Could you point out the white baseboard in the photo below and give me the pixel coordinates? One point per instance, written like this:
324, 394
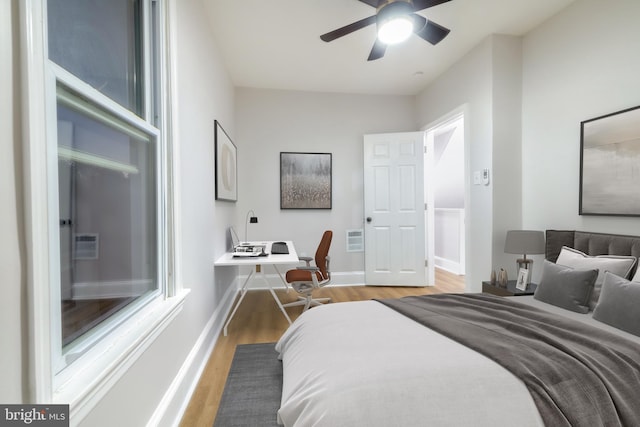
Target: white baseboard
343, 278
174, 403
451, 266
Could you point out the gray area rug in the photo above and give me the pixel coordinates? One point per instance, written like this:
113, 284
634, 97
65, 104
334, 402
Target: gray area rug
251, 395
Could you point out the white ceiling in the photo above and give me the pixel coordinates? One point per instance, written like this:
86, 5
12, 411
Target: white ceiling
276, 44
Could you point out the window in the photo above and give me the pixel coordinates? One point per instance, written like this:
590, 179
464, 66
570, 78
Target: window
100, 42
107, 214
105, 263
108, 160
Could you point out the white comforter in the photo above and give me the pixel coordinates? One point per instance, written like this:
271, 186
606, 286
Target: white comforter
363, 364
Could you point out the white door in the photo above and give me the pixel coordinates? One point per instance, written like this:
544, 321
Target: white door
394, 209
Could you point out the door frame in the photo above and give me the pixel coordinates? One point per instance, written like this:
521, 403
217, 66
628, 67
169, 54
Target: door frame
463, 111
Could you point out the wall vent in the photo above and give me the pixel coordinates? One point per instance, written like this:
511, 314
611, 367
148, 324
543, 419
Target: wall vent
85, 246
355, 240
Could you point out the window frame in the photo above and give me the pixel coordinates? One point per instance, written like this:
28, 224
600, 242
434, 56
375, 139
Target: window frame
64, 356
88, 378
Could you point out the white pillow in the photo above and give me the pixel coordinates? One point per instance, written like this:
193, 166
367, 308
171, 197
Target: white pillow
618, 265
636, 277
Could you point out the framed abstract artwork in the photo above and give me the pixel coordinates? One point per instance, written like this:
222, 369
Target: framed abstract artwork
226, 166
610, 164
305, 180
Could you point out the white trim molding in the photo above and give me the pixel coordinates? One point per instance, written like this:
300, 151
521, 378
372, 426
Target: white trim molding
34, 132
96, 371
338, 278
174, 403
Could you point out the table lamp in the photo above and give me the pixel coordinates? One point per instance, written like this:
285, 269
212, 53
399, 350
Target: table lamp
251, 218
524, 242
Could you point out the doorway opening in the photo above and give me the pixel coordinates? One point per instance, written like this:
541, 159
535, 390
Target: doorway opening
445, 196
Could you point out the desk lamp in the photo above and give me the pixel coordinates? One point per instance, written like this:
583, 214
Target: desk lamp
524, 242
251, 218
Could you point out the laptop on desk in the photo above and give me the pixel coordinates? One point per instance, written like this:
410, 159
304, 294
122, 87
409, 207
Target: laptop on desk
245, 249
249, 251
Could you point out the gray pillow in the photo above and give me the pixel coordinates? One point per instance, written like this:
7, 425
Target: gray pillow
565, 287
616, 264
618, 304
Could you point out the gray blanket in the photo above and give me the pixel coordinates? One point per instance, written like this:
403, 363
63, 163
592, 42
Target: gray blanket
578, 375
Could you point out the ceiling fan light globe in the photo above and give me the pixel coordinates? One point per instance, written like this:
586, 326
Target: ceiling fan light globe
395, 30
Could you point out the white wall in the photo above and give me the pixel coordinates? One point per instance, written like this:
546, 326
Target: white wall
271, 121
581, 64
449, 182
12, 304
507, 134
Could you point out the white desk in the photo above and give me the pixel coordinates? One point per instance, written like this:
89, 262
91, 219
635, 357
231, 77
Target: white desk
228, 259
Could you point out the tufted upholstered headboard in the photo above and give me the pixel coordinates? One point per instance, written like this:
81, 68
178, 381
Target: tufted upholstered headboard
591, 243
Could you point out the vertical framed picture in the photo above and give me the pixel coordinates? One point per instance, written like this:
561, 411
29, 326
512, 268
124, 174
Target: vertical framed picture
226, 166
523, 279
305, 180
609, 159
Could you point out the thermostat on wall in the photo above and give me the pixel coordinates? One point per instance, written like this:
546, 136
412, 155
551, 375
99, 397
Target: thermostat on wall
481, 177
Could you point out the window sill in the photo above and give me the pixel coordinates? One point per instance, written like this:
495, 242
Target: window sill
83, 384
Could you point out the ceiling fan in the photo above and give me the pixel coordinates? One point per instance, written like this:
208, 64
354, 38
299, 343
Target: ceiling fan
396, 20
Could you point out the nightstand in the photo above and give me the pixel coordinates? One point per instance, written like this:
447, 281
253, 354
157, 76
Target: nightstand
509, 291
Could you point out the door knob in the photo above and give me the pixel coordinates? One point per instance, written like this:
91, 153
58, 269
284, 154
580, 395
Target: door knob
369, 219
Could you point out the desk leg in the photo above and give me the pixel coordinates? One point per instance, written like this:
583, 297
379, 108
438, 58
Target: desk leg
275, 297
286, 285
243, 292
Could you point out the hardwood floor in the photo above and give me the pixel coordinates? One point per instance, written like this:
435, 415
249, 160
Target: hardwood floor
258, 320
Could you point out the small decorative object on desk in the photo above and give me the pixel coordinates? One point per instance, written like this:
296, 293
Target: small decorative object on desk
502, 278
492, 279
523, 279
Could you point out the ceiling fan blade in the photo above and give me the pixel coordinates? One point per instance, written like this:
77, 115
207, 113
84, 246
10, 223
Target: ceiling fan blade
347, 29
418, 22
377, 51
433, 33
372, 3
424, 4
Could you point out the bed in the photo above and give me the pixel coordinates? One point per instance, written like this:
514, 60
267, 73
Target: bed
370, 363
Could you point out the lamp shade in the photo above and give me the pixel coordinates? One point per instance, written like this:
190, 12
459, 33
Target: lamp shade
524, 242
250, 219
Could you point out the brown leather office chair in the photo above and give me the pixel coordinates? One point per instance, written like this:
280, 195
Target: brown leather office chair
305, 279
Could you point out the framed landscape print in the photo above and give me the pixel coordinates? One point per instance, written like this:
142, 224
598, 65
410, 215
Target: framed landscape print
610, 164
305, 180
226, 166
